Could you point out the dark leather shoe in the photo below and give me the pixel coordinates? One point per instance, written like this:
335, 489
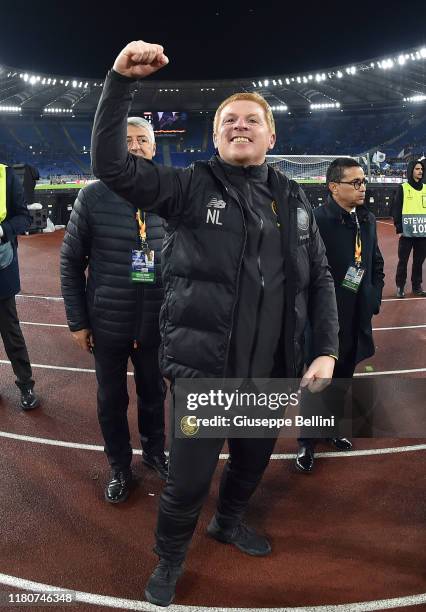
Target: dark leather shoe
342, 444
241, 536
29, 399
419, 291
158, 463
160, 588
305, 459
118, 488
400, 292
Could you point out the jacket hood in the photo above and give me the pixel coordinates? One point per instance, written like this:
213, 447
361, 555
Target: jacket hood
410, 167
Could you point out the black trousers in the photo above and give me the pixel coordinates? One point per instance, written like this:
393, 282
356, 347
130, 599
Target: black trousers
192, 464
14, 343
336, 393
419, 255
113, 400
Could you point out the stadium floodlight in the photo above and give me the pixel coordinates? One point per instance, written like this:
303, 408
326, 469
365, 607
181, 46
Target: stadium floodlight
25, 77
287, 81
325, 106
66, 83
274, 82
266, 82
423, 52
310, 77
280, 82
32, 80
10, 109
401, 60
279, 108
339, 74
298, 79
253, 83
74, 83
417, 98
260, 83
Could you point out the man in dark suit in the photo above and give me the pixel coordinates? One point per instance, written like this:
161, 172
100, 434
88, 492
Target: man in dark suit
14, 220
348, 230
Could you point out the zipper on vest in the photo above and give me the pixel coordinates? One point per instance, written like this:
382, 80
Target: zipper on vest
139, 300
234, 197
262, 287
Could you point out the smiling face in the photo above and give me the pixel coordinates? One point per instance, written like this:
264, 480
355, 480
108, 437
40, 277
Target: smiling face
242, 133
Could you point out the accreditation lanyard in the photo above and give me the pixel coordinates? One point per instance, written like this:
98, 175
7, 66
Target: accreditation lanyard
355, 271
142, 231
143, 259
358, 244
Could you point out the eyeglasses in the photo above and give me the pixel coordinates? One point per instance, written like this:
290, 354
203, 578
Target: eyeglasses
141, 140
356, 184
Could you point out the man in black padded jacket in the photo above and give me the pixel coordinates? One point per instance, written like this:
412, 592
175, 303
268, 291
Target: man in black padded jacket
243, 266
115, 313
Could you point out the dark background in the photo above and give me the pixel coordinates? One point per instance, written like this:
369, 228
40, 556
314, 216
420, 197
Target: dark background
207, 39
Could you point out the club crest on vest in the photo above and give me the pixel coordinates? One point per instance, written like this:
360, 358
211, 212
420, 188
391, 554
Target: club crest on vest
302, 225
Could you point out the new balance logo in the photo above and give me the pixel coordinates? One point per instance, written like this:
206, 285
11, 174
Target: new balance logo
215, 203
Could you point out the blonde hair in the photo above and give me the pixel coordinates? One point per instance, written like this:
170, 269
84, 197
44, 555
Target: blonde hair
252, 97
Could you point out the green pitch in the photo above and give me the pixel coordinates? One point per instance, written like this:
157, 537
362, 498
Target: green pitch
67, 186
81, 185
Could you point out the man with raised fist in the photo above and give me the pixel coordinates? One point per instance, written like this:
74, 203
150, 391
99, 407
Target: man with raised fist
243, 263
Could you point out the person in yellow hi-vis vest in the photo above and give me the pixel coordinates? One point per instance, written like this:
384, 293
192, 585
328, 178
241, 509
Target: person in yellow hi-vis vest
409, 215
14, 219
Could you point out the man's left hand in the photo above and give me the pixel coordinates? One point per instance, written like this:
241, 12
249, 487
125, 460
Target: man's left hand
318, 376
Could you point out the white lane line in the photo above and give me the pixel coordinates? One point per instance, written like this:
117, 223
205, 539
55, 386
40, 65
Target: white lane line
87, 370
401, 327
406, 299
282, 456
66, 326
132, 604
389, 372
48, 324
62, 368
40, 297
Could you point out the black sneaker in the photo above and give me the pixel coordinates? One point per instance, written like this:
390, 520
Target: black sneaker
400, 293
158, 463
29, 399
419, 291
118, 488
243, 537
160, 588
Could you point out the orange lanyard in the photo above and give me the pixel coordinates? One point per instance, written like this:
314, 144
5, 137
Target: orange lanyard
142, 225
357, 242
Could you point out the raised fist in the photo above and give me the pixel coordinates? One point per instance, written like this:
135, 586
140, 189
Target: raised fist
139, 59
